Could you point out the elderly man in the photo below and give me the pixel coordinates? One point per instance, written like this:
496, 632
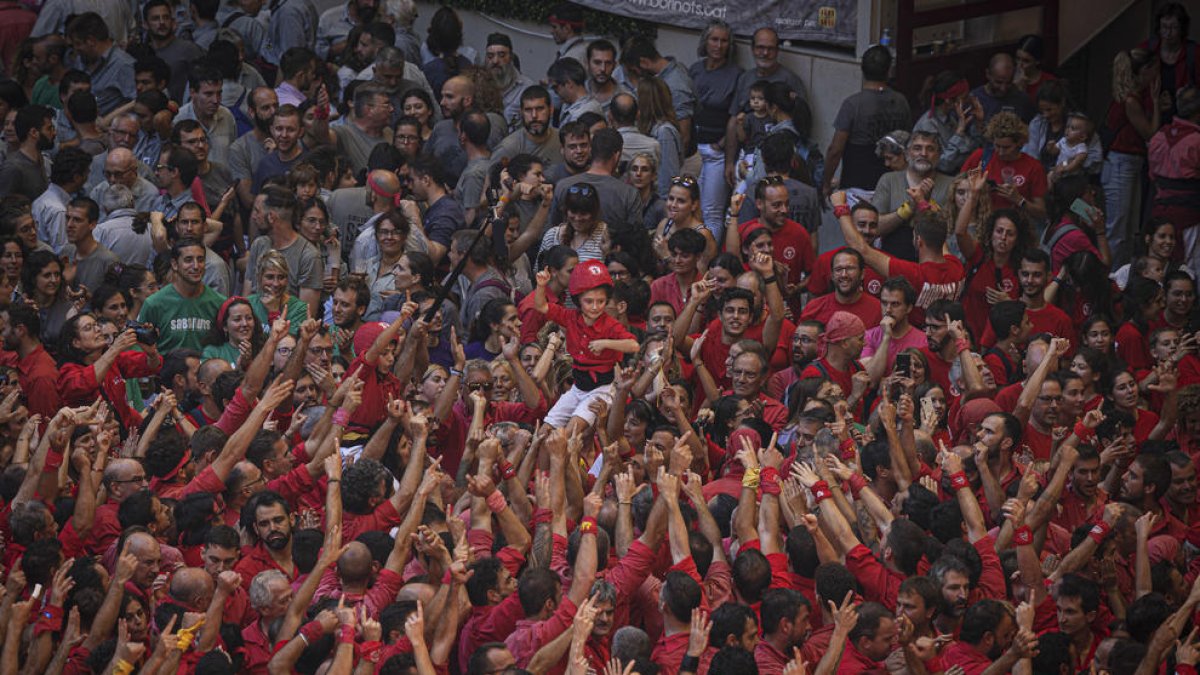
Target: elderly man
270, 594
120, 167
122, 478
508, 78
124, 132
891, 194
115, 231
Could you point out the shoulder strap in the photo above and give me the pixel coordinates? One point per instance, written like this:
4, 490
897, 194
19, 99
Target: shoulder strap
231, 18
1062, 231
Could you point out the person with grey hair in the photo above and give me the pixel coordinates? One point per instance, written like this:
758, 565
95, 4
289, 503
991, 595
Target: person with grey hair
891, 193
125, 131
120, 167
121, 230
373, 109
404, 15
630, 643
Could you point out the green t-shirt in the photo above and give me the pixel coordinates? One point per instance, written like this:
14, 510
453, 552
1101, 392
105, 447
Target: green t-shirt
182, 322
45, 93
297, 312
226, 352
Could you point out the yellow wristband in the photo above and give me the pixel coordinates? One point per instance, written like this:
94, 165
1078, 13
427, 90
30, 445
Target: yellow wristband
905, 211
122, 667
750, 479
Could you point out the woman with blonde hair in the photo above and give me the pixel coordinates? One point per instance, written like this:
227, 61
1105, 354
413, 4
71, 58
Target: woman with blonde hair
273, 300
1132, 118
975, 213
642, 174
656, 118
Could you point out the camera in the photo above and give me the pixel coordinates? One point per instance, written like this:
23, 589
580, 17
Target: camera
146, 333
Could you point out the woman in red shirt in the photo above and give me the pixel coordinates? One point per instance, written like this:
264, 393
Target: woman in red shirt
92, 368
1144, 301
992, 258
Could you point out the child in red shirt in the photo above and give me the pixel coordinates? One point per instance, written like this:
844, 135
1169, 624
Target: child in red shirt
595, 342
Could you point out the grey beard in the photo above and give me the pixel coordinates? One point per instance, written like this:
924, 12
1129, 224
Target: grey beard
507, 76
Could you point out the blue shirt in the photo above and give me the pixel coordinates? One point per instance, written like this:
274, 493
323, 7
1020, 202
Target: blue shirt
112, 79
442, 219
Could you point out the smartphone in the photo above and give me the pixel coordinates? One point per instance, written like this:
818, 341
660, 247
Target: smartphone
987, 157
1085, 211
903, 365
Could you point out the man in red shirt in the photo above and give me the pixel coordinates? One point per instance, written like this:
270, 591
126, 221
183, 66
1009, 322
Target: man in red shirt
785, 615
848, 295
839, 350
792, 247
1083, 500
871, 640
268, 518
1009, 321
1034, 276
866, 220
1018, 180
37, 370
804, 350
936, 275
946, 341
749, 374
989, 639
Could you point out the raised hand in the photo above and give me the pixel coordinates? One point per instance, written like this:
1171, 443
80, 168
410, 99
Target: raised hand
701, 626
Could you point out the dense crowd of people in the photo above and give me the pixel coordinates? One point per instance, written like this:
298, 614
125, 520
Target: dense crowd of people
328, 348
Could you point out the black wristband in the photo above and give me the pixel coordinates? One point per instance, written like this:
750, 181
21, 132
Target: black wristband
689, 664
770, 280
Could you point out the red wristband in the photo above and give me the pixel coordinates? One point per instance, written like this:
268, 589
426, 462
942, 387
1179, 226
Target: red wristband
768, 481
588, 526
1185, 669
820, 491
312, 631
346, 635
841, 210
1023, 536
369, 651
959, 481
857, 482
962, 345
321, 112
542, 515
848, 449
447, 579
1099, 531
1084, 433
496, 502
507, 471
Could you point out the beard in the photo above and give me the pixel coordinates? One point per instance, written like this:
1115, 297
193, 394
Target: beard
536, 128
921, 165
277, 541
262, 125
504, 76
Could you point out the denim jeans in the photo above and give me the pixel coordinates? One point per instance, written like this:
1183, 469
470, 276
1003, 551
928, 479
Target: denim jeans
1122, 181
714, 191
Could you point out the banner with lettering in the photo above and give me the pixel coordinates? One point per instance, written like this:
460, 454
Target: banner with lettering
828, 21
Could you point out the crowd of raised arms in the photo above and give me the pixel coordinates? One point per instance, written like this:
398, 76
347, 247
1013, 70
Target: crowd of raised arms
333, 349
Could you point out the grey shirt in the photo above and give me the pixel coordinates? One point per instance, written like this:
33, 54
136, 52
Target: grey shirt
715, 91
112, 78
890, 193
179, 54
116, 234
866, 117
443, 144
244, 155
348, 211
804, 205
741, 99
469, 190
620, 204
519, 142
636, 142
22, 176
216, 273
955, 147
293, 24
683, 92
304, 263
356, 145
221, 134
89, 271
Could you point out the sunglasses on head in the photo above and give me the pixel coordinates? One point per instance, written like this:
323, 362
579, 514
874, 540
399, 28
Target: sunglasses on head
581, 189
684, 181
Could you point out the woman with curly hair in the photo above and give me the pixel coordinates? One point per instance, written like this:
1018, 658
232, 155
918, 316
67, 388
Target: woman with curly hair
1020, 180
992, 258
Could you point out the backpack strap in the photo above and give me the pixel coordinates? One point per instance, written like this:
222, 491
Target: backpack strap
1010, 368
231, 18
1062, 231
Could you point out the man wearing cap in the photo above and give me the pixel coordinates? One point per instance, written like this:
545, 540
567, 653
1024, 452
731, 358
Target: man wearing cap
566, 27
838, 351
509, 79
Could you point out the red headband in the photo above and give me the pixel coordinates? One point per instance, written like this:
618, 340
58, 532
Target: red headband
156, 481
958, 89
378, 189
221, 313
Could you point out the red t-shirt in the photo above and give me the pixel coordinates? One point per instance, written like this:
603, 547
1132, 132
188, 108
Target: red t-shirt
1025, 172
974, 299
822, 309
933, 281
531, 319
1133, 347
1048, 319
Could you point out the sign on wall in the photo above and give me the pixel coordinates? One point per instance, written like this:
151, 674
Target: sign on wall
812, 20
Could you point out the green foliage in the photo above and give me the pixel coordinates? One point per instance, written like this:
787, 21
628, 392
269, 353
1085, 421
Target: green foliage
537, 11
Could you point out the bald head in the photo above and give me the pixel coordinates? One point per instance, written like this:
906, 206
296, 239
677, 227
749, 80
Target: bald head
123, 477
354, 565
120, 167
149, 558
384, 185
192, 586
623, 110
458, 94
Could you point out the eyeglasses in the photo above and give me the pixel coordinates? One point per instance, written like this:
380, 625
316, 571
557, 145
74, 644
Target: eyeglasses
283, 351
480, 386
163, 167
684, 181
326, 351
117, 174
388, 234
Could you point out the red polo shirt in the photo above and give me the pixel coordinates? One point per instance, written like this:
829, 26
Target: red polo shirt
38, 375
933, 281
866, 307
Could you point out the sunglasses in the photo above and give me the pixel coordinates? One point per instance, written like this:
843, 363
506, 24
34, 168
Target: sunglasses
581, 189
480, 386
685, 181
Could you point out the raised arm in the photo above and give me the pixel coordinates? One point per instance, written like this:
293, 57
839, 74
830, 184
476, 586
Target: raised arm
1033, 387
235, 449
876, 259
765, 265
